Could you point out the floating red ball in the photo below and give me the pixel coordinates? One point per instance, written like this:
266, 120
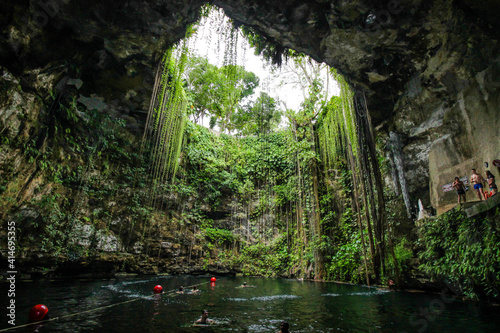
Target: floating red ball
213, 279
38, 312
158, 289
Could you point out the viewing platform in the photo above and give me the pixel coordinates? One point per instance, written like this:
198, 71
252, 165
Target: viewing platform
477, 207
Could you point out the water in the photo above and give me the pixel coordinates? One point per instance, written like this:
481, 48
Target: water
307, 306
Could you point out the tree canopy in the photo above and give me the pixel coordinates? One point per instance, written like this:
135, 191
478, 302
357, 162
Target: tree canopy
259, 116
217, 91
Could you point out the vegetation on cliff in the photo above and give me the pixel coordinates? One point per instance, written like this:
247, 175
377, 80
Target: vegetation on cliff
464, 251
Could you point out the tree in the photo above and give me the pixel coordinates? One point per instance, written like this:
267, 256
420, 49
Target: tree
306, 73
202, 84
217, 92
260, 116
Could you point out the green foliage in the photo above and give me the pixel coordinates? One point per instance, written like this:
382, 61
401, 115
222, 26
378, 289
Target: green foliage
219, 236
465, 251
404, 254
337, 128
345, 261
261, 116
221, 165
51, 236
80, 159
217, 92
266, 47
166, 121
266, 259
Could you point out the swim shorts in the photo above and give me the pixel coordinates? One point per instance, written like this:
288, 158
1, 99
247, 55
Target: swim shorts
478, 186
461, 191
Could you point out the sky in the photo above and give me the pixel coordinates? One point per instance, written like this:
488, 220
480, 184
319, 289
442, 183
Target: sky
209, 42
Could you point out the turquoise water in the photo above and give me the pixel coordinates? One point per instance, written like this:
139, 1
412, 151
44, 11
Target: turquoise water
307, 306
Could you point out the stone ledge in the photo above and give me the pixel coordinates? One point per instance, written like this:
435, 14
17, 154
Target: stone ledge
483, 206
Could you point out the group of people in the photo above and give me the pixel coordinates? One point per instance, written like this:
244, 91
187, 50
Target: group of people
194, 290
477, 181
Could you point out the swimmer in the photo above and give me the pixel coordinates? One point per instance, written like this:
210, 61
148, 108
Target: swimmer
195, 289
181, 290
204, 319
284, 327
244, 285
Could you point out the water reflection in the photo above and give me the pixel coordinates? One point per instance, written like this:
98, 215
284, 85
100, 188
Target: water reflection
307, 306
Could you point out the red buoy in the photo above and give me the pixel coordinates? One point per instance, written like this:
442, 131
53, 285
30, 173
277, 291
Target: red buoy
158, 289
213, 279
38, 312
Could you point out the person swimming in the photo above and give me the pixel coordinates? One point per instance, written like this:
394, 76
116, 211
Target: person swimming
244, 285
195, 289
204, 319
284, 327
181, 290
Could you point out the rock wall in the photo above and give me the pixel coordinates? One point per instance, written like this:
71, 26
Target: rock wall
471, 139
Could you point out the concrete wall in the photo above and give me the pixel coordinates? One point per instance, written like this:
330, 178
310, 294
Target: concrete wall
474, 139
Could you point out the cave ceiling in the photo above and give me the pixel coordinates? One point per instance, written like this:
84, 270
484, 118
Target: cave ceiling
379, 46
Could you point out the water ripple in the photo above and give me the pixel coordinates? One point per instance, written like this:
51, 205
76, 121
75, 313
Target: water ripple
363, 293
263, 298
127, 293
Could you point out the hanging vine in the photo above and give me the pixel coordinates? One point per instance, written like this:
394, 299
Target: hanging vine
166, 121
338, 127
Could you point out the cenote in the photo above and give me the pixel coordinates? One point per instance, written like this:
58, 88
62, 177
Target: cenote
307, 306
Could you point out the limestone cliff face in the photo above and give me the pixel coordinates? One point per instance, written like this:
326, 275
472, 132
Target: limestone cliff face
429, 70
472, 126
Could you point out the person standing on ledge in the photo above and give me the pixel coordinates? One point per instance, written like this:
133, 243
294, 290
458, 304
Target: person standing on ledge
460, 187
477, 180
491, 182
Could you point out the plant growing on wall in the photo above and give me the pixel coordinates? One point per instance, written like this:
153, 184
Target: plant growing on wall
166, 120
